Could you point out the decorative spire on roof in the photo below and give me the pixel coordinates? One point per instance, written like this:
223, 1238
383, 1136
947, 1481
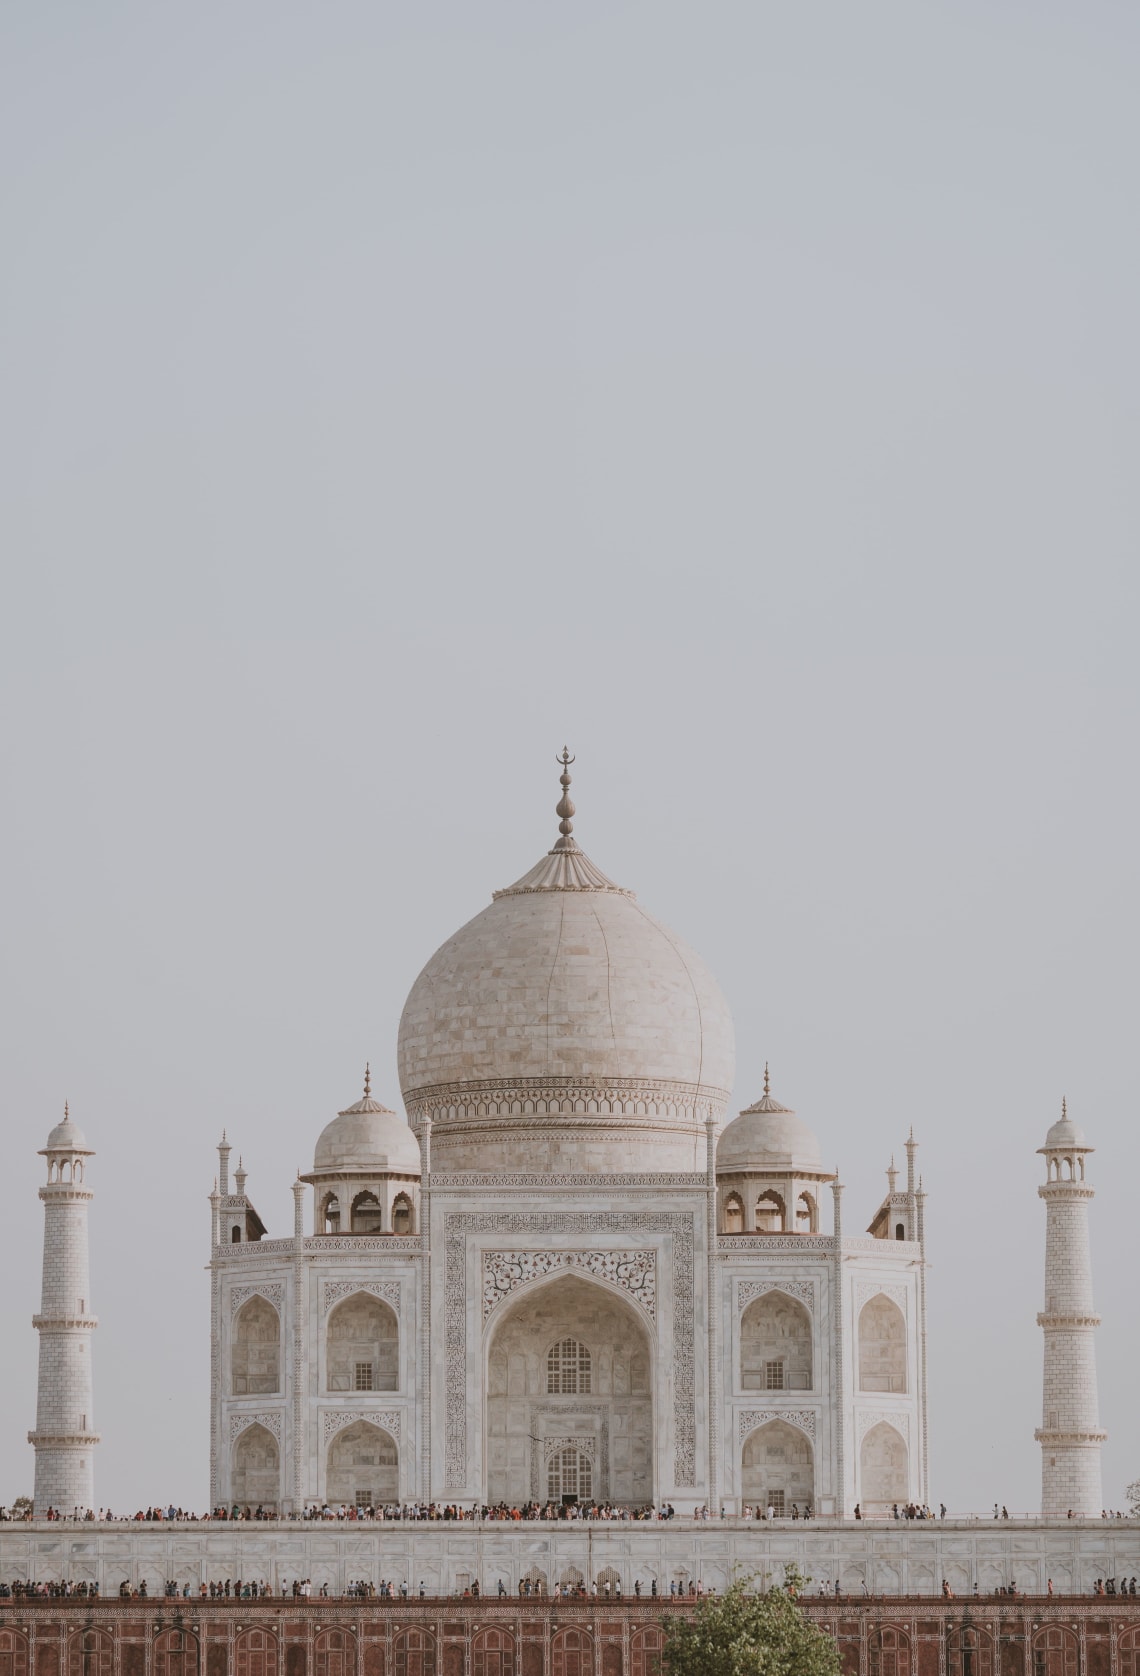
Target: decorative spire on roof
367, 1079
767, 1084
1064, 1109
564, 809
66, 1112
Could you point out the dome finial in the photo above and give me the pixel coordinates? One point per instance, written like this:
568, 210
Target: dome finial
367, 1079
564, 809
66, 1112
1064, 1109
767, 1085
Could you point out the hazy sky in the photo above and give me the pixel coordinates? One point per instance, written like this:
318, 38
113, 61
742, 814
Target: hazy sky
745, 395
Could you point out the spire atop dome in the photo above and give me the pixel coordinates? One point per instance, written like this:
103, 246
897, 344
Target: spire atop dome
767, 1085
367, 1079
1064, 1109
564, 809
566, 866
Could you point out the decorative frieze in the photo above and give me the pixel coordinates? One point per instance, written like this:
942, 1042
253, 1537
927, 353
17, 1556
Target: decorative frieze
334, 1420
749, 1418
271, 1418
271, 1290
554, 1445
803, 1290
443, 1181
334, 1290
635, 1272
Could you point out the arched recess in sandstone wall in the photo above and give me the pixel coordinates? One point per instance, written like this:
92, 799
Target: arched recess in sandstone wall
775, 1345
334, 1653
526, 1422
175, 1654
884, 1469
255, 1653
882, 1345
255, 1474
13, 1653
362, 1344
413, 1653
493, 1653
778, 1467
255, 1354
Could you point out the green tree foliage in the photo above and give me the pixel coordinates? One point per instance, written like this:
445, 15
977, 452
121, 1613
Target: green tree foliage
742, 1633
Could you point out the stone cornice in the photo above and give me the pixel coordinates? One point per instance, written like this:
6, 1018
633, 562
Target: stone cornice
58, 1323
63, 1440
1066, 1190
1044, 1320
1060, 1437
531, 1099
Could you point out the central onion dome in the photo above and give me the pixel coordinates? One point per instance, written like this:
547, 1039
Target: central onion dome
566, 1029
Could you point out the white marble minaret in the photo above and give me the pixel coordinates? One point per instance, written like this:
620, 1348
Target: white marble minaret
1070, 1434
64, 1437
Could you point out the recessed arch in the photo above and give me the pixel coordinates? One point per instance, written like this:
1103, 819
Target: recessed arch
771, 1213
775, 1344
90, 1653
890, 1651
732, 1220
175, 1653
367, 1213
777, 1465
255, 1472
363, 1466
526, 1421
255, 1352
882, 1345
329, 1219
334, 1653
807, 1213
362, 1345
572, 1653
493, 1652
256, 1653
403, 1214
884, 1469
413, 1653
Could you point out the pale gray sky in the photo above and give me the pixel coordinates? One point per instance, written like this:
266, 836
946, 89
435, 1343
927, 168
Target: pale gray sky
745, 395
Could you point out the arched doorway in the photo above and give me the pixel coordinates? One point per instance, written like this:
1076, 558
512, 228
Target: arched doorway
778, 1468
884, 1469
255, 1480
363, 1466
569, 1396
882, 1346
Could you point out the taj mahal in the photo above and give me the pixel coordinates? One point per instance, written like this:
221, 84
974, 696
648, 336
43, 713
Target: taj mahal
563, 1273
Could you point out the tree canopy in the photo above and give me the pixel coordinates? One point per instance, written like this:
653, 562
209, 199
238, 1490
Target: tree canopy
743, 1633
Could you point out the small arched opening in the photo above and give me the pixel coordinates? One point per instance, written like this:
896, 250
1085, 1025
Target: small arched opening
771, 1213
330, 1214
402, 1220
367, 1215
569, 1368
807, 1214
733, 1214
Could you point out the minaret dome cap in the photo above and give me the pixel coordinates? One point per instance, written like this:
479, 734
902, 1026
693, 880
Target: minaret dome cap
66, 1136
1064, 1135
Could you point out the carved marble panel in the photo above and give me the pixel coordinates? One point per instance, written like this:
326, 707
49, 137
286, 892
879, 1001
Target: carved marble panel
271, 1290
334, 1420
334, 1290
869, 1417
749, 1418
634, 1271
804, 1290
272, 1419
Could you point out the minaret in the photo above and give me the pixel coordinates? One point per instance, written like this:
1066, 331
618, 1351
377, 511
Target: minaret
1070, 1434
64, 1437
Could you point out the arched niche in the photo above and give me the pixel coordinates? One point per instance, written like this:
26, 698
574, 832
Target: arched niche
493, 1652
367, 1214
884, 1469
255, 1474
330, 1215
363, 1466
403, 1220
362, 1343
732, 1220
777, 1468
527, 1420
775, 1344
771, 1213
882, 1345
256, 1653
255, 1352
91, 1652
807, 1213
